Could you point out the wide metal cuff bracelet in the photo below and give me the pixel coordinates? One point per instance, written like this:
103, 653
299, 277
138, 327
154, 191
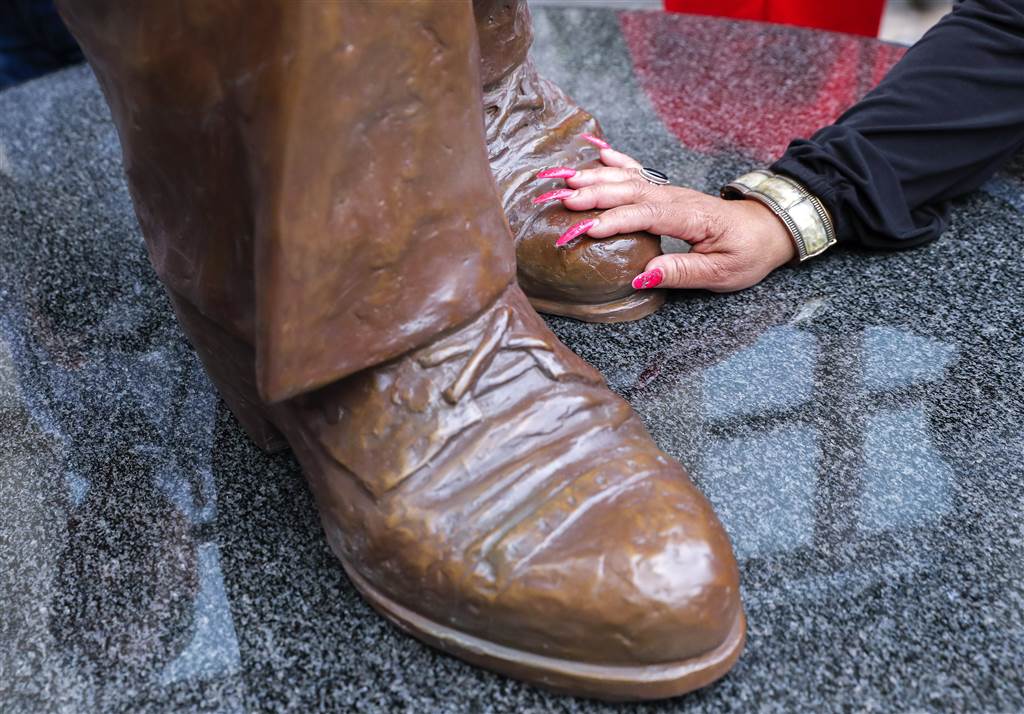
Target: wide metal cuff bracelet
804, 215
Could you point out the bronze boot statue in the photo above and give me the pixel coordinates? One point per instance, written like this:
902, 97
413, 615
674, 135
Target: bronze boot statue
313, 186
531, 125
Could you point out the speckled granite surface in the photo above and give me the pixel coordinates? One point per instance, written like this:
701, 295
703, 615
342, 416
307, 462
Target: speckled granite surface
856, 422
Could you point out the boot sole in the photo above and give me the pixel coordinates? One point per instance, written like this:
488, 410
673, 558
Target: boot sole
582, 679
631, 307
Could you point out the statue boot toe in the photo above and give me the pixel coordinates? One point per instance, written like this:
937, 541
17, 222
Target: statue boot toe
492, 497
531, 125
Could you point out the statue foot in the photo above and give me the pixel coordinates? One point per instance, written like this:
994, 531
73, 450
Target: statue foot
531, 125
492, 497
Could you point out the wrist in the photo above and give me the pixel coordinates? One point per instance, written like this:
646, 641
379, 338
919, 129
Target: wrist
772, 235
803, 215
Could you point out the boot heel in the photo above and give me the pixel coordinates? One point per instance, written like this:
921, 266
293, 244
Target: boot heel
230, 364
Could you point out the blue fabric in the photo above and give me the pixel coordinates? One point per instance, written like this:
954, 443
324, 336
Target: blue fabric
33, 41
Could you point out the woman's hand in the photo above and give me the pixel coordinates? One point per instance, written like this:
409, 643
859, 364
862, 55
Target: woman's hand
734, 244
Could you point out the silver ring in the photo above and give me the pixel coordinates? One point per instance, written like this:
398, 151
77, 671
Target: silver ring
654, 176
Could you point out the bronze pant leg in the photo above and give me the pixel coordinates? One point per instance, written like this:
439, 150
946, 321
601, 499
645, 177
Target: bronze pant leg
310, 177
505, 31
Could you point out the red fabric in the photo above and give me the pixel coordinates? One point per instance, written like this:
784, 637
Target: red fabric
861, 17
746, 88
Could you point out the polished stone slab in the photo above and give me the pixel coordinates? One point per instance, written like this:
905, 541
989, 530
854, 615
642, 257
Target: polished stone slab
856, 423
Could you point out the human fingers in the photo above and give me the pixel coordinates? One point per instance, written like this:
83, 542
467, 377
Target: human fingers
604, 174
680, 219
611, 157
611, 195
696, 271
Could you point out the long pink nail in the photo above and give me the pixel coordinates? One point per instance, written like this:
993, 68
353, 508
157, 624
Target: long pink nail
599, 143
559, 194
648, 279
575, 231
562, 172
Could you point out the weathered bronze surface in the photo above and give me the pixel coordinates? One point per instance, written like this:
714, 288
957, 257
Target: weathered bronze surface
274, 147
531, 125
313, 187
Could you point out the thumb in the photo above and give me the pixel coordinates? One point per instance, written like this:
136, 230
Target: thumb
682, 270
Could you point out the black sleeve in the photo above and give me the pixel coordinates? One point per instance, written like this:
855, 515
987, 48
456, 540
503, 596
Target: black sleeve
942, 121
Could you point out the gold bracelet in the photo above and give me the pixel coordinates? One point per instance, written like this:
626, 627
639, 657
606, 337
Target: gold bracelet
804, 216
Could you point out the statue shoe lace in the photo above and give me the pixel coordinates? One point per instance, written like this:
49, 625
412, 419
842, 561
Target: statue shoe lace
491, 496
531, 125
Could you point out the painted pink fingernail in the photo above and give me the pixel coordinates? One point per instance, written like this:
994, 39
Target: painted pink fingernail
559, 194
599, 143
575, 231
648, 279
562, 172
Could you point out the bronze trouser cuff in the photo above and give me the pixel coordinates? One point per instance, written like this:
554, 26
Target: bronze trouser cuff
806, 219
